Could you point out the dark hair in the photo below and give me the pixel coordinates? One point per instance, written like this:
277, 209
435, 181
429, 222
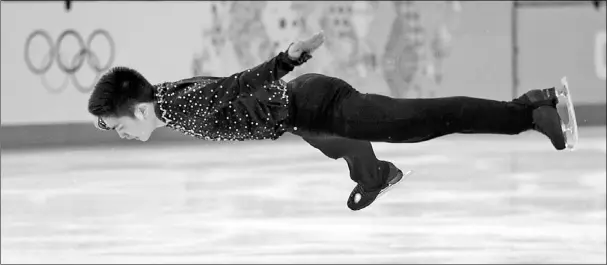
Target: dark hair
117, 92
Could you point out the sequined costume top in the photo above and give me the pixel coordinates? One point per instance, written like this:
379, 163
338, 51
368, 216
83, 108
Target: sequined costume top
250, 105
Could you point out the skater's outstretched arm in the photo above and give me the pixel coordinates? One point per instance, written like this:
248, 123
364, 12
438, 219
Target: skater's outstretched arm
279, 66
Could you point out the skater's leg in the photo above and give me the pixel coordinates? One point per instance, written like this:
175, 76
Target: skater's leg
380, 118
372, 175
331, 105
363, 164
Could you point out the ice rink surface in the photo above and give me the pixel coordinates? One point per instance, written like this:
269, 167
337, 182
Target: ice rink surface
472, 199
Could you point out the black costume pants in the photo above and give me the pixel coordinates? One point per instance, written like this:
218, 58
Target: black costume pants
341, 122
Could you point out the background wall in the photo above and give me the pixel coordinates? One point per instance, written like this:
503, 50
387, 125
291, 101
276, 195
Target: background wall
158, 39
571, 43
401, 49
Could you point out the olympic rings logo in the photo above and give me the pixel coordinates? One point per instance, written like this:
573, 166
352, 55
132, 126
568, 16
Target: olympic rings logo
83, 54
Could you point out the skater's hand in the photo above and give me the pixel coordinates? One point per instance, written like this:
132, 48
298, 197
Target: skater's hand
309, 45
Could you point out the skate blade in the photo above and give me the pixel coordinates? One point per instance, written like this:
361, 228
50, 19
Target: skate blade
382, 192
567, 114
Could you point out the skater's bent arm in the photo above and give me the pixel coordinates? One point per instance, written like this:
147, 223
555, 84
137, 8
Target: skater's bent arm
276, 68
271, 70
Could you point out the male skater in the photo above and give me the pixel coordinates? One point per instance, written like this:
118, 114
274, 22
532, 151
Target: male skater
325, 111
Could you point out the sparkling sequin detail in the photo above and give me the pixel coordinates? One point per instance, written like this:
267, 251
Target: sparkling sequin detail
251, 105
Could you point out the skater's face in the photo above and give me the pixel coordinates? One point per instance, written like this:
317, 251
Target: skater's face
139, 127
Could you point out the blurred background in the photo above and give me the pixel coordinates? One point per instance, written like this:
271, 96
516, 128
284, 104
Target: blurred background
71, 193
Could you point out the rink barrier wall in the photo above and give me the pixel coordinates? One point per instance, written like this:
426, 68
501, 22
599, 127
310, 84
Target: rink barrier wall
85, 134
